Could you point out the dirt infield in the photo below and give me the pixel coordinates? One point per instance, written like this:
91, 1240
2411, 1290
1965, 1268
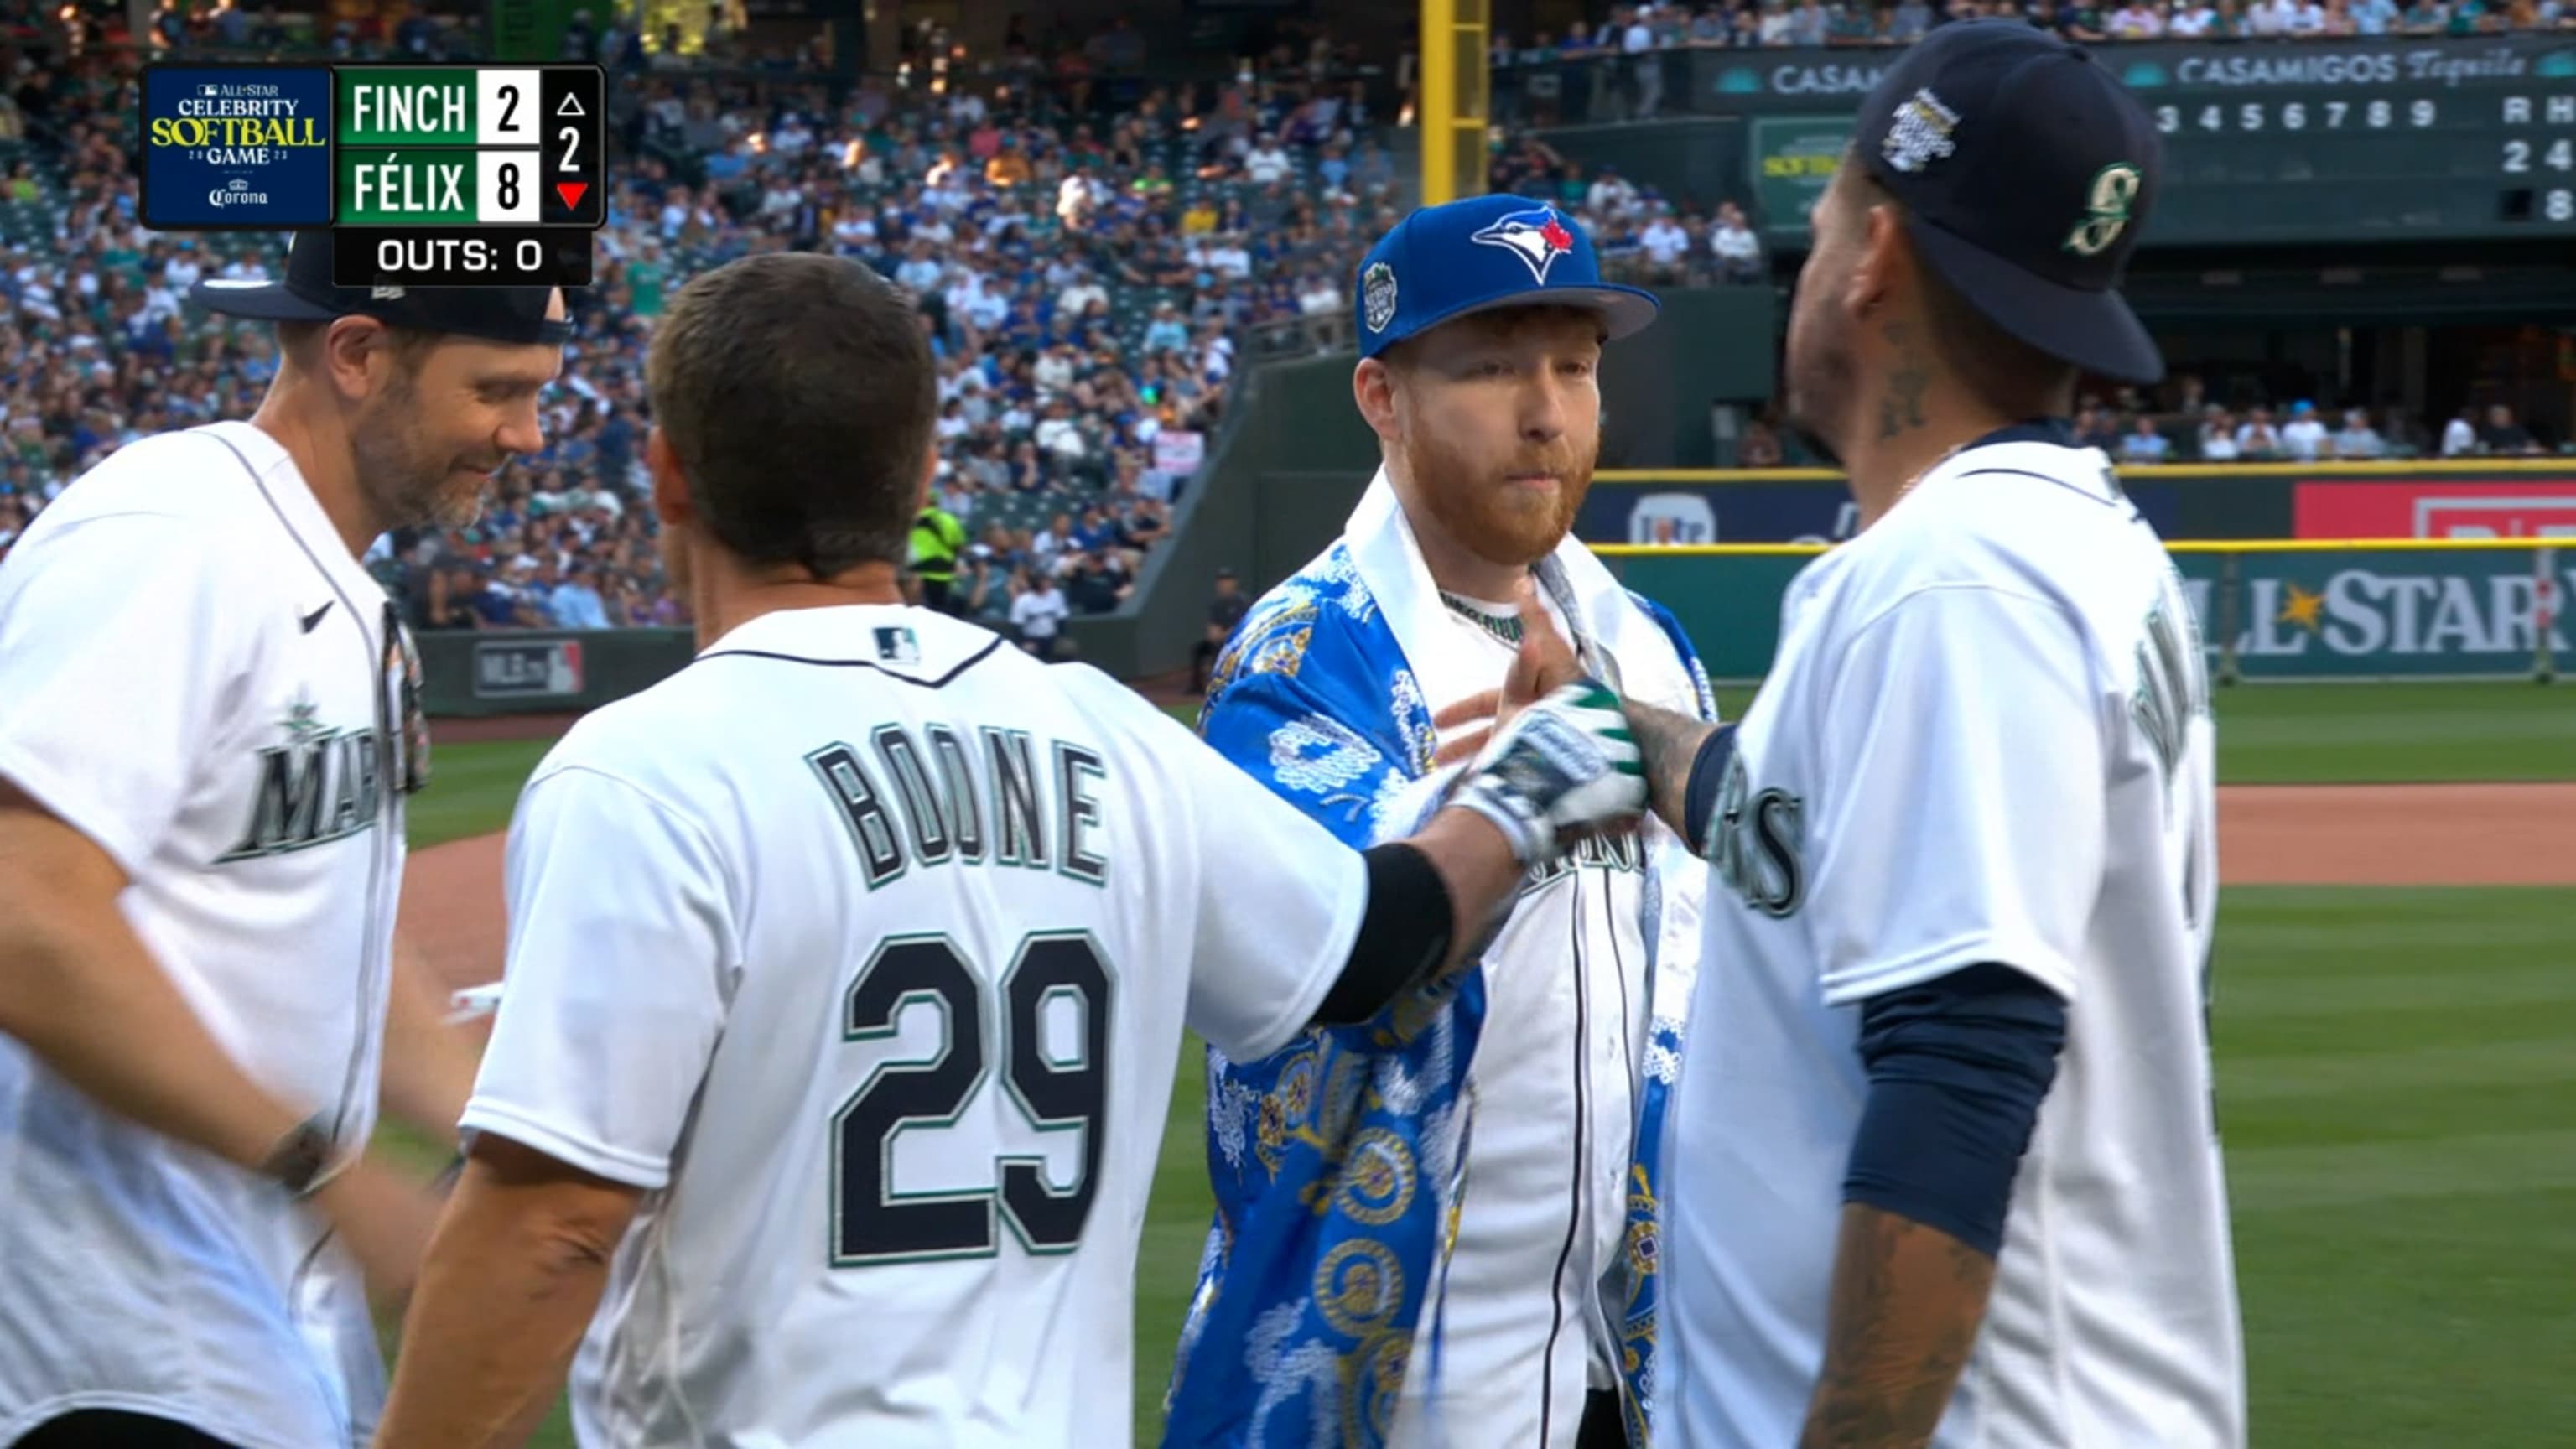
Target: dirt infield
2268, 835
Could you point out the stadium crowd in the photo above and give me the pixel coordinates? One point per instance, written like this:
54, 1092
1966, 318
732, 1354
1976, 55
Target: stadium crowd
1087, 276
1093, 267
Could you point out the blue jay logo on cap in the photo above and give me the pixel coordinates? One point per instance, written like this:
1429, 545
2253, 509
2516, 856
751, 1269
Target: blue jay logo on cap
1537, 236
1377, 295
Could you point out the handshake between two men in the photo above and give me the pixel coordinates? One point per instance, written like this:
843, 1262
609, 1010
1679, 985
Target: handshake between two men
1661, 760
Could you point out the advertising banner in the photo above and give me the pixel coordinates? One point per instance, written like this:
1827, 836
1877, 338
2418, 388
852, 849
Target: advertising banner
1793, 162
527, 668
2384, 613
2516, 507
2358, 614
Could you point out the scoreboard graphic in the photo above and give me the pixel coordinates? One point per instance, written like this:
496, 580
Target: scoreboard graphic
425, 175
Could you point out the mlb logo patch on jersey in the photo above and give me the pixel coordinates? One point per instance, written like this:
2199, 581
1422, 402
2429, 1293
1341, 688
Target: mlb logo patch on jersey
898, 645
1537, 236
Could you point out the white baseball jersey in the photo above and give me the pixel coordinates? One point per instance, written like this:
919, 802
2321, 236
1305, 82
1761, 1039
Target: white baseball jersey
1985, 737
1555, 1085
193, 674
864, 944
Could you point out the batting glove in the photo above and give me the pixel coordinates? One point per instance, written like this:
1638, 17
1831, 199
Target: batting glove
1564, 766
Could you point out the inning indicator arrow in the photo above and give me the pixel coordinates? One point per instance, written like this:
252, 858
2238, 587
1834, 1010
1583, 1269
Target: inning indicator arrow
571, 192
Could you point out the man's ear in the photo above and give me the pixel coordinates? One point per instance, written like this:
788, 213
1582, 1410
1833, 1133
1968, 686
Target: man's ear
1373, 387
929, 473
357, 355
670, 487
1886, 262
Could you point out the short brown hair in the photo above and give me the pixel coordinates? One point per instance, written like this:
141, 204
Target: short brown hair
298, 339
797, 394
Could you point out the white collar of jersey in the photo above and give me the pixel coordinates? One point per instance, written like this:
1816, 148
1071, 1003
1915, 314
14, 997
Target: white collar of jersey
919, 644
1389, 562
2086, 470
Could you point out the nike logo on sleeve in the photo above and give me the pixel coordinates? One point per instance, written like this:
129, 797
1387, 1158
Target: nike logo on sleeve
314, 618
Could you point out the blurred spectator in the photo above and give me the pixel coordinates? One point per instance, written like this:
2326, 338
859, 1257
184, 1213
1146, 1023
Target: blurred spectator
2217, 435
2257, 438
2143, 443
2501, 434
1732, 242
1224, 612
2303, 437
1038, 611
2460, 434
2357, 438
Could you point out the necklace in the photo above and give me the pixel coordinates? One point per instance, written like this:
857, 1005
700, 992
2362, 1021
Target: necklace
1919, 475
1504, 627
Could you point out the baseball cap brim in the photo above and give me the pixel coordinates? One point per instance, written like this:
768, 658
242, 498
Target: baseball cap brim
2095, 330
1625, 311
257, 301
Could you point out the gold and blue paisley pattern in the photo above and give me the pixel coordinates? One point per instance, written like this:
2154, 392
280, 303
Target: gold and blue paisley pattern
1338, 1162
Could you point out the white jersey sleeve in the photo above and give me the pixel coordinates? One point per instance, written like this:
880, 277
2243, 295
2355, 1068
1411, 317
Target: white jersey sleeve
621, 935
1963, 738
1277, 898
117, 645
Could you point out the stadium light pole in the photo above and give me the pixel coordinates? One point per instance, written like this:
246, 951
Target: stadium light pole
1451, 108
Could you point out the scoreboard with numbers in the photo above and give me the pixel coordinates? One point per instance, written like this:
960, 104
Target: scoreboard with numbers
426, 175
2308, 143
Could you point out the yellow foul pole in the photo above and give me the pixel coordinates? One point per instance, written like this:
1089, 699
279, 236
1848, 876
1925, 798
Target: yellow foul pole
1453, 90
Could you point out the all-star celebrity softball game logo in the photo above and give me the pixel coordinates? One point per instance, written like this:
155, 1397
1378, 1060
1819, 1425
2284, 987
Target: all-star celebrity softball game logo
236, 146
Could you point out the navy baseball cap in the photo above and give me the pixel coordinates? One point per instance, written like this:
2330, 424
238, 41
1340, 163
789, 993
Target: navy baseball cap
1481, 252
2027, 171
307, 294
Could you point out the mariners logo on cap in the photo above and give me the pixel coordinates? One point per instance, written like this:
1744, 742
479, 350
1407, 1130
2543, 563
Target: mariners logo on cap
1377, 295
1920, 134
1537, 236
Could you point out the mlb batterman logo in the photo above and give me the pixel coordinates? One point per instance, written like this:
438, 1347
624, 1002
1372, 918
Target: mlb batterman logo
1377, 296
1537, 236
1920, 133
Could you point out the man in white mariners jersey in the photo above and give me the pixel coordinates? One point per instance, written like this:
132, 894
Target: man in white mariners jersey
207, 731
1944, 1163
848, 966
1540, 1082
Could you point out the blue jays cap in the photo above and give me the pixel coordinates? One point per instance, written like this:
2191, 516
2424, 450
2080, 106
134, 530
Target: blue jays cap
1482, 252
2026, 171
308, 294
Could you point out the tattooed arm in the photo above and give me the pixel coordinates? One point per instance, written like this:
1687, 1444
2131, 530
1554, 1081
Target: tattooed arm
1672, 742
1907, 1301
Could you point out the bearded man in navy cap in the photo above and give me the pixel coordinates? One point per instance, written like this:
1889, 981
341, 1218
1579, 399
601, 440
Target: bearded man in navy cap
1436, 1228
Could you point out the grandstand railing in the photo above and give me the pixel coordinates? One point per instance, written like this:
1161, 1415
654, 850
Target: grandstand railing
2268, 610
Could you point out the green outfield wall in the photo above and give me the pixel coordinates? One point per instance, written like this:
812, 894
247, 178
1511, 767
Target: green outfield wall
2268, 610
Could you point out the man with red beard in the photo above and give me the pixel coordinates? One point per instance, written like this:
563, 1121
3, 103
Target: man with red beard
1436, 1228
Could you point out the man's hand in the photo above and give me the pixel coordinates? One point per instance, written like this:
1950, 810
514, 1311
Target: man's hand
1561, 769
384, 1220
1543, 664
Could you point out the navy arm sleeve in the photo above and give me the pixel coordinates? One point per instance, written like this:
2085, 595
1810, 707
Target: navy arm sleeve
1958, 1066
1707, 777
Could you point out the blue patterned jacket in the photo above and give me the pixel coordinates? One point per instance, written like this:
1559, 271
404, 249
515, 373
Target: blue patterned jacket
1336, 1161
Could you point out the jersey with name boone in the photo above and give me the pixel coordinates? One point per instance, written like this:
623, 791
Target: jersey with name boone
863, 945
193, 675
1985, 737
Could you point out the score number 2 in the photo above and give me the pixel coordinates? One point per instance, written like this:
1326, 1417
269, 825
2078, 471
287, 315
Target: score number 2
2299, 116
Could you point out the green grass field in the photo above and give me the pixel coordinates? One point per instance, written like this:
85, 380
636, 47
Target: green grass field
2395, 1068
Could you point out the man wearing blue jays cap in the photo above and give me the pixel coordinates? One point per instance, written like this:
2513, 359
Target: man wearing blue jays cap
1436, 1229
1944, 1164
